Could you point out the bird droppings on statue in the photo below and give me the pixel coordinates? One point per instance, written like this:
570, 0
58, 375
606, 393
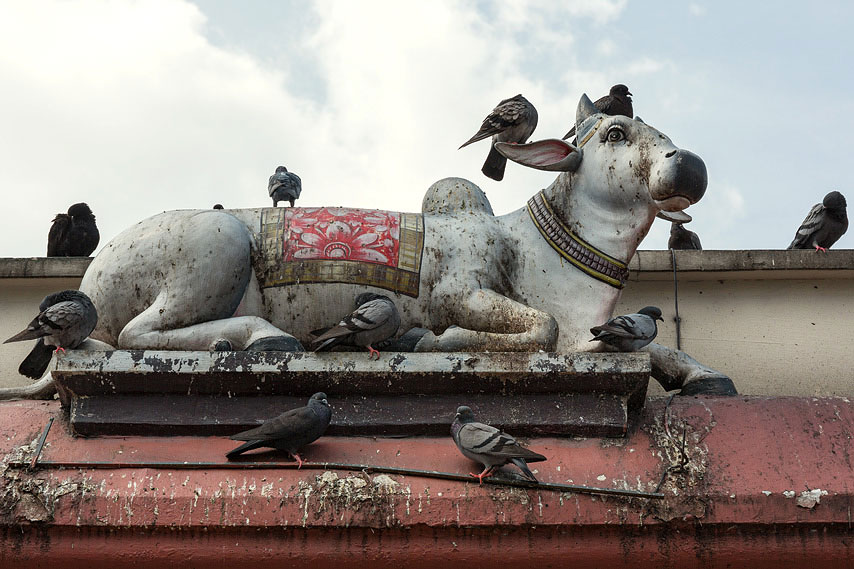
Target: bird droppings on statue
513, 121
490, 447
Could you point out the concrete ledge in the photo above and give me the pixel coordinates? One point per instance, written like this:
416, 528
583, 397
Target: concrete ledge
43, 267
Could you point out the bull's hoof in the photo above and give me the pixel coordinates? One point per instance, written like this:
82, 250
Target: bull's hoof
276, 344
405, 343
719, 386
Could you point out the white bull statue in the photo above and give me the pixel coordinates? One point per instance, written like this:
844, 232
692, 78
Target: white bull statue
535, 279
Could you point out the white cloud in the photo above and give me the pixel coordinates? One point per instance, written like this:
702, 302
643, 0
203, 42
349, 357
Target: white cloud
697, 9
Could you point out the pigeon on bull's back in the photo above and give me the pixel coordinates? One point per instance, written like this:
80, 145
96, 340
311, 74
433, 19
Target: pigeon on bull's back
630, 332
284, 186
487, 445
824, 225
375, 320
65, 319
513, 121
290, 431
618, 101
681, 238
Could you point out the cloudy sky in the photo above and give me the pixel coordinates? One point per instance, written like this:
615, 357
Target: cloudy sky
142, 106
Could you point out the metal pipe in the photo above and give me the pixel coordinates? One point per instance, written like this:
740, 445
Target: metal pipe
40, 446
344, 466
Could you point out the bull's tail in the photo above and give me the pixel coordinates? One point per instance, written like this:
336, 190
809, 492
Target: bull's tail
494, 165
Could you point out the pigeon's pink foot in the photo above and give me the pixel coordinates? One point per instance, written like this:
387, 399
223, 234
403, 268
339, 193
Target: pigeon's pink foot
59, 349
299, 461
819, 248
487, 472
371, 352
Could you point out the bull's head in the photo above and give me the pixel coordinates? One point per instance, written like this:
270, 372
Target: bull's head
616, 147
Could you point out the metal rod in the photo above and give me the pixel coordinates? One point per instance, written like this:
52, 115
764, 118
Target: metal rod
353, 467
678, 319
40, 446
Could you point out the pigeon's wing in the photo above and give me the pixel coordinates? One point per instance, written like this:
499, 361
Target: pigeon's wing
695, 241
605, 104
810, 225
479, 438
620, 326
57, 235
508, 113
82, 239
369, 316
289, 424
62, 315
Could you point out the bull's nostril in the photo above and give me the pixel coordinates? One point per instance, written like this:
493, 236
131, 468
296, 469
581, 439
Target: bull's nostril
670, 154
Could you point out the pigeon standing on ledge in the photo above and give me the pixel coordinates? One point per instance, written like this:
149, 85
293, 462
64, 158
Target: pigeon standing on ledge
65, 319
73, 234
290, 431
375, 320
489, 446
681, 238
630, 332
284, 186
513, 120
617, 102
825, 224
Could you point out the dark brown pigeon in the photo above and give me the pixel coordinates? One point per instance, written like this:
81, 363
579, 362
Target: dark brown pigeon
824, 225
513, 120
489, 446
681, 238
65, 319
73, 234
290, 431
617, 102
375, 320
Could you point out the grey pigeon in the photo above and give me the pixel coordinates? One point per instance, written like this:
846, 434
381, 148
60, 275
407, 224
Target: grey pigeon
489, 446
513, 120
65, 319
375, 320
284, 186
617, 102
218, 206
630, 332
681, 238
290, 431
73, 234
824, 225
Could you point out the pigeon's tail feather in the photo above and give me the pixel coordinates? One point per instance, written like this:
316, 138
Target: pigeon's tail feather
36, 362
251, 445
524, 468
494, 165
25, 335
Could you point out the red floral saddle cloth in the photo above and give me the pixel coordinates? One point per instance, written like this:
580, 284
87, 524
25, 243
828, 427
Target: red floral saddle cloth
340, 245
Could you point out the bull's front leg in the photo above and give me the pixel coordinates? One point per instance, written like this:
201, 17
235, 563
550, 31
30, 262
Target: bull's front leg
488, 321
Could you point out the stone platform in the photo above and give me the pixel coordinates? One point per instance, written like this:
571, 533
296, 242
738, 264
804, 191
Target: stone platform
402, 394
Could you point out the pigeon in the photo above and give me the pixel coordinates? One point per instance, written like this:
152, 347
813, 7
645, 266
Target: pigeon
513, 120
630, 332
218, 206
73, 234
65, 319
290, 431
681, 238
824, 225
375, 320
617, 102
284, 186
489, 446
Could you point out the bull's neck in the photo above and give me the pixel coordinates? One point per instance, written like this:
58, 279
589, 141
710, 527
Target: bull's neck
603, 217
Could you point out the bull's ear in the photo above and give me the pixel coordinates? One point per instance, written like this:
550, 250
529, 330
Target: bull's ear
639, 119
551, 154
585, 109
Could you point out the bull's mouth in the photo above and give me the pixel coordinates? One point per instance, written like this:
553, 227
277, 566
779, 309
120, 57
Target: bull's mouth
673, 203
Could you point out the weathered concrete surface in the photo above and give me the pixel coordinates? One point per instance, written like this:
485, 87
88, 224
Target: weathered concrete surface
760, 482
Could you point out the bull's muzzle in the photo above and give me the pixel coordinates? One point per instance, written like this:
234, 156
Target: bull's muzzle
682, 181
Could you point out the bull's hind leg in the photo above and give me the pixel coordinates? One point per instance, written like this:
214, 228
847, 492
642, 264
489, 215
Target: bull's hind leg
488, 321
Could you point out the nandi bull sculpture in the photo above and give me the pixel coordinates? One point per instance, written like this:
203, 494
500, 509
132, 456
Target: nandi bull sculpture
535, 279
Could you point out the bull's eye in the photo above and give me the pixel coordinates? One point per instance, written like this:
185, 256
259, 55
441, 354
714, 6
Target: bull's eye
616, 134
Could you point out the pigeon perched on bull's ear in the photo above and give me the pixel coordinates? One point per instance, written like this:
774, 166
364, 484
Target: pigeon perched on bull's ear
513, 121
489, 446
375, 320
290, 431
681, 238
630, 332
284, 186
65, 319
617, 102
73, 234
824, 225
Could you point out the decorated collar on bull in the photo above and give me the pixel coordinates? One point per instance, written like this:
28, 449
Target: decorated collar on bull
674, 179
